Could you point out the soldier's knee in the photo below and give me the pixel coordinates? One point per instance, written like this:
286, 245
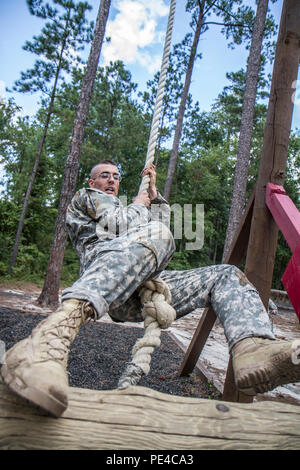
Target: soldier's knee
233, 269
162, 239
236, 272
230, 268
167, 238
159, 231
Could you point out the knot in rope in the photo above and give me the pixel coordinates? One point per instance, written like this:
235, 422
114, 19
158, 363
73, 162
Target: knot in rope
156, 298
157, 313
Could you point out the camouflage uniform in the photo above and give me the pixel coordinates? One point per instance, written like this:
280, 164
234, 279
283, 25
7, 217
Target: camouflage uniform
121, 247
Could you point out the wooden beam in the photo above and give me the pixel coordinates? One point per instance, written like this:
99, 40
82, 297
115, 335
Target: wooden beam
230, 391
198, 341
240, 240
143, 419
263, 236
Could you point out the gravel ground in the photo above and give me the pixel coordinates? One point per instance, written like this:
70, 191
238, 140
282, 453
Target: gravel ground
100, 351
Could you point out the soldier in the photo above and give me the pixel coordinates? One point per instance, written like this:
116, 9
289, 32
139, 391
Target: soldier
119, 249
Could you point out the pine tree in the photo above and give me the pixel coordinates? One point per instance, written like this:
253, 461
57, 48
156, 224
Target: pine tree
246, 127
49, 294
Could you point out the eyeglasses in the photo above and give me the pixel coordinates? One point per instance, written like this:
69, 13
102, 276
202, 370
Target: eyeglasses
105, 175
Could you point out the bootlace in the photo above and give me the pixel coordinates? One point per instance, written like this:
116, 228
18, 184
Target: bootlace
88, 313
57, 339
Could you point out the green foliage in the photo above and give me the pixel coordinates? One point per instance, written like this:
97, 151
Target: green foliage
8, 222
180, 261
70, 269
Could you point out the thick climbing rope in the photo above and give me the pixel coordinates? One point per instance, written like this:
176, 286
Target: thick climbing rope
159, 97
158, 314
155, 294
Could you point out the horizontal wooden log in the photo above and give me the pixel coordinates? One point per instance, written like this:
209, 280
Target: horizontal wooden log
143, 419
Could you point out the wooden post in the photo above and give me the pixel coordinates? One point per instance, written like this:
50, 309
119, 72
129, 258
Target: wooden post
264, 231
198, 341
230, 392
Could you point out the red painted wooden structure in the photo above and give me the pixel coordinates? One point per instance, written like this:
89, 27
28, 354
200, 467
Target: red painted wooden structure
287, 217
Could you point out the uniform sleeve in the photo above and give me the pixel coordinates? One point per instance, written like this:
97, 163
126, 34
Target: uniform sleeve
78, 216
160, 210
108, 212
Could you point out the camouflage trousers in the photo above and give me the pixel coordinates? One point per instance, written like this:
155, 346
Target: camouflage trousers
110, 282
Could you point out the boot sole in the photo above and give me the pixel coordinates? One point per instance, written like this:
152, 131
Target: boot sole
35, 396
280, 371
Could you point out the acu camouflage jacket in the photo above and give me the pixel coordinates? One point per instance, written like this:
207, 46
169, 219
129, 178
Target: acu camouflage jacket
99, 222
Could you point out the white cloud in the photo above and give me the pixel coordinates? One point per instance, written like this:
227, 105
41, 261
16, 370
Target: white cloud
151, 62
133, 30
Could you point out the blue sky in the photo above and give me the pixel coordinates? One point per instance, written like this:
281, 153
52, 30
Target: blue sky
137, 29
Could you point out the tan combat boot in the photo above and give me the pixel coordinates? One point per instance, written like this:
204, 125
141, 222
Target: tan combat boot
261, 364
35, 368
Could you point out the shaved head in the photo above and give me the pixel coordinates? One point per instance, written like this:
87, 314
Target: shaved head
95, 169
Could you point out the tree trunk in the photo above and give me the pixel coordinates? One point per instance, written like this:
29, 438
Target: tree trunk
246, 128
178, 130
38, 155
49, 294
